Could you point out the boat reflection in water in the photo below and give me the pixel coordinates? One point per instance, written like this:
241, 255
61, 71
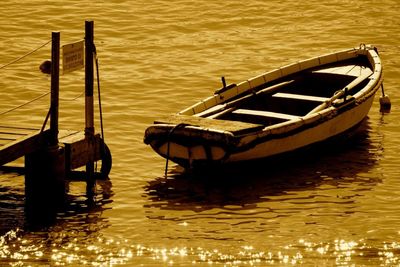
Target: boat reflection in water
279, 199
283, 200
330, 163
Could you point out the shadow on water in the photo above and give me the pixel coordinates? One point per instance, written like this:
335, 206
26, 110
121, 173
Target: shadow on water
55, 235
72, 210
75, 211
335, 163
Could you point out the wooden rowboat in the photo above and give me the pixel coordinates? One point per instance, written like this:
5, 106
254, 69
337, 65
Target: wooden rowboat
276, 112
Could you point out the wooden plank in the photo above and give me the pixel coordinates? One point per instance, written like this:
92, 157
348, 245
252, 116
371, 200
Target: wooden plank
211, 110
3, 142
350, 70
234, 103
78, 151
16, 129
301, 97
268, 114
22, 146
70, 136
222, 125
10, 136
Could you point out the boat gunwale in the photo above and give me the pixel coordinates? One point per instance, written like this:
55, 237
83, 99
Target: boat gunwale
375, 79
276, 74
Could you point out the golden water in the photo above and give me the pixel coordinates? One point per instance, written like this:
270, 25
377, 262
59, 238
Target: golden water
335, 207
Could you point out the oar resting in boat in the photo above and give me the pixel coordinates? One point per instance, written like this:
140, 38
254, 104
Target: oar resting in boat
342, 93
221, 109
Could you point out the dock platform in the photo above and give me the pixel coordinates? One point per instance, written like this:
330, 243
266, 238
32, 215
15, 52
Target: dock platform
15, 142
18, 141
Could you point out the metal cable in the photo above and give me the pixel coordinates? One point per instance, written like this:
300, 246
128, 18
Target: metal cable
18, 59
72, 99
24, 104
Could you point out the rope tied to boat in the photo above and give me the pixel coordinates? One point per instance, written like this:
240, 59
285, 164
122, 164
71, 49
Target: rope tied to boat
173, 129
106, 161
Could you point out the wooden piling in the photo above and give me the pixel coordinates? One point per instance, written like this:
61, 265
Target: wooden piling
89, 106
89, 48
55, 70
45, 167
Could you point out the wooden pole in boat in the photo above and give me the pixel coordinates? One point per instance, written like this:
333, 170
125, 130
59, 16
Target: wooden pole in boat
89, 109
55, 71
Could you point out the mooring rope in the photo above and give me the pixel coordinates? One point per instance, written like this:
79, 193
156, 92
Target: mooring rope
98, 91
180, 125
99, 95
24, 56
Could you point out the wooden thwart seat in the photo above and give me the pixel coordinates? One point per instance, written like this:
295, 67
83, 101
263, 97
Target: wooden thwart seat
268, 114
301, 97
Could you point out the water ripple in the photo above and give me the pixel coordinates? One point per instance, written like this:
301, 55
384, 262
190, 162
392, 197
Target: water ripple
335, 205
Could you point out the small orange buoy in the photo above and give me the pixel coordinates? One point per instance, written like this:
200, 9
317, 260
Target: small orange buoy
45, 67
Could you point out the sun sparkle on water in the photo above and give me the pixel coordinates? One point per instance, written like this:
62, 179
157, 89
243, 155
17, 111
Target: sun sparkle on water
111, 252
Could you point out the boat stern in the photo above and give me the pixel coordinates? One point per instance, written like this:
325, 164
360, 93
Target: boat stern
189, 145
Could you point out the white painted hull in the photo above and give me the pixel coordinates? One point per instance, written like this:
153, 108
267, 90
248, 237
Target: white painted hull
271, 147
321, 132
195, 136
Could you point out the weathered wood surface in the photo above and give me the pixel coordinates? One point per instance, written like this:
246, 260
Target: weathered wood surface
78, 150
268, 114
15, 142
301, 97
222, 125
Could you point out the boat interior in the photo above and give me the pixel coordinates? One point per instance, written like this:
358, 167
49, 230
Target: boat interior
301, 96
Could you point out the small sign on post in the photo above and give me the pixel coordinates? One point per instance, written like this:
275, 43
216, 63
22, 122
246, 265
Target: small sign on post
73, 56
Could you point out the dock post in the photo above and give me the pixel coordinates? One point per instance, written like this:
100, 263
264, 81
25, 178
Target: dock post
45, 168
89, 109
55, 85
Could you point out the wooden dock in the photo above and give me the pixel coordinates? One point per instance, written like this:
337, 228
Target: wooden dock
18, 141
52, 154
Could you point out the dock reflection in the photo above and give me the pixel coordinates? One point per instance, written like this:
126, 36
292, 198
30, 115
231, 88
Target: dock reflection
72, 237
332, 164
74, 209
17, 210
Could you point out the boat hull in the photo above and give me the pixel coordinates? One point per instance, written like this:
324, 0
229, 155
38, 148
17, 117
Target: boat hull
321, 132
204, 152
204, 135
